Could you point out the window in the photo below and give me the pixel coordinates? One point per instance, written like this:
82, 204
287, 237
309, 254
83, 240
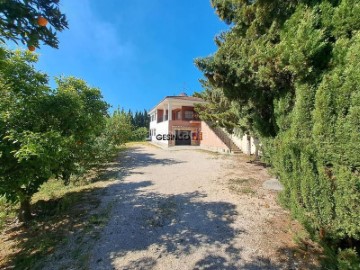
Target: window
189, 115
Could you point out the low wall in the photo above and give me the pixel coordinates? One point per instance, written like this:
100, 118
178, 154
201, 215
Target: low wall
211, 141
245, 143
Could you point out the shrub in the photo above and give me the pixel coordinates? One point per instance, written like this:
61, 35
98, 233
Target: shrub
140, 134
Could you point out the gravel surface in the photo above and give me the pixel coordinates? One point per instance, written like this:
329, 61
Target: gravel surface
192, 210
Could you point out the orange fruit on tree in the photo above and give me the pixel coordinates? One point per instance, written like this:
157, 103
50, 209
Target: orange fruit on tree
42, 21
31, 48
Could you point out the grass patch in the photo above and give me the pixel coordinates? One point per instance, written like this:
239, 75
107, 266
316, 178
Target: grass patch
129, 144
248, 191
7, 212
242, 186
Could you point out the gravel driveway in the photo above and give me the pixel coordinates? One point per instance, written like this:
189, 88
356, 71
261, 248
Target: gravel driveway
192, 210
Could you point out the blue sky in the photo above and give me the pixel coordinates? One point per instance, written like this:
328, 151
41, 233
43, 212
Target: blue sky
135, 51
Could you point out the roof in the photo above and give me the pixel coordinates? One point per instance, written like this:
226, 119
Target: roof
185, 98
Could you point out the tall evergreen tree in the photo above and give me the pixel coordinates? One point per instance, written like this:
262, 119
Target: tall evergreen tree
290, 69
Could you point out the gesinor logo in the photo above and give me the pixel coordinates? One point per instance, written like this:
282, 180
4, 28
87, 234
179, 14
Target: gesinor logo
185, 137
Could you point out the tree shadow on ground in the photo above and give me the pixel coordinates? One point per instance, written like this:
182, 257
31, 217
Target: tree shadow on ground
175, 224
287, 261
53, 222
138, 157
126, 163
56, 219
259, 163
170, 225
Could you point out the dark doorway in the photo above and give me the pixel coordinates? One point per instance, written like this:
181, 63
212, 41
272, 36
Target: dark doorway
183, 137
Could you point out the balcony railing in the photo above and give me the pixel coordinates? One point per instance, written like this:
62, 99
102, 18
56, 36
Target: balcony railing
194, 118
162, 118
165, 118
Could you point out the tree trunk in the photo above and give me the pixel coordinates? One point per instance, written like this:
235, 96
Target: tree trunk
66, 177
25, 210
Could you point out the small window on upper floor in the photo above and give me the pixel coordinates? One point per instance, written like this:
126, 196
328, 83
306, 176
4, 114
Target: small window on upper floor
189, 114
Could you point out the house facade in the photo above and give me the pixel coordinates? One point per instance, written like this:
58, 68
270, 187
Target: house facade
174, 122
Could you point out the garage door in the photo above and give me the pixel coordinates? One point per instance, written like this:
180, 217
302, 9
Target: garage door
183, 137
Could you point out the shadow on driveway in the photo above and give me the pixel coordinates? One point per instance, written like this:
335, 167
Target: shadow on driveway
147, 228
174, 225
128, 161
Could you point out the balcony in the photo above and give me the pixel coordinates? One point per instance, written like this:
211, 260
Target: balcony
195, 117
162, 118
188, 115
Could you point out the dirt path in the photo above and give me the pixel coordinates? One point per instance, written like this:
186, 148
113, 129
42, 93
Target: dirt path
192, 210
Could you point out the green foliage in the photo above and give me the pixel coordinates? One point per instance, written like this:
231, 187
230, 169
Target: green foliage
119, 127
18, 21
139, 119
24, 146
220, 110
135, 130
289, 70
79, 113
117, 131
348, 259
45, 133
140, 134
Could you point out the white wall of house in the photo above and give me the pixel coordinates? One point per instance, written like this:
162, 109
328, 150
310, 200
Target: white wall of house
161, 128
167, 105
153, 125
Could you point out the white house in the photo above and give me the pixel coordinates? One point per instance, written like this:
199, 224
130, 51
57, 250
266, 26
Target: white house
175, 115
173, 122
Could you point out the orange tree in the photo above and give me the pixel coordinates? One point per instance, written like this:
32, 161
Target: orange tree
44, 133
31, 21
